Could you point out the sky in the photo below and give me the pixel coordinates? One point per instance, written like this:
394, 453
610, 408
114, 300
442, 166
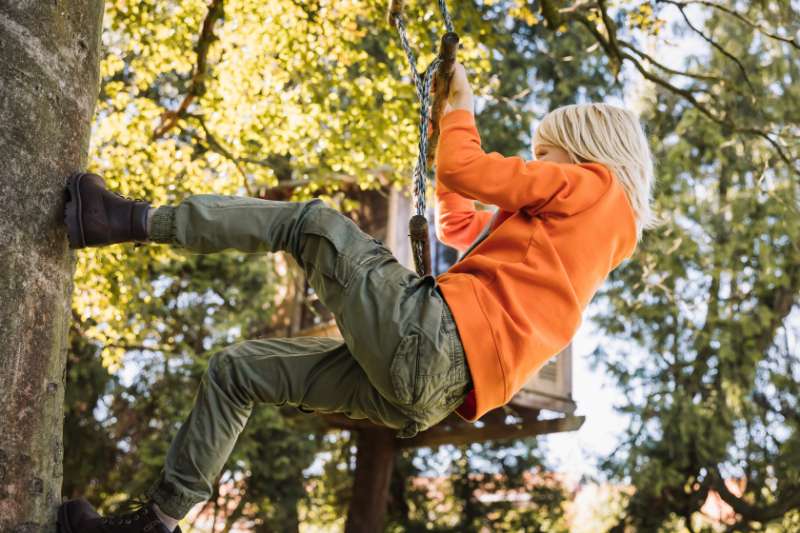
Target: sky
576, 453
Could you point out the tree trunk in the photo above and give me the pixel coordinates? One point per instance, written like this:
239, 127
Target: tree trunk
49, 55
374, 462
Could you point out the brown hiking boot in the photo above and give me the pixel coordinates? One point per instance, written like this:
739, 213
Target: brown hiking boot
96, 216
78, 516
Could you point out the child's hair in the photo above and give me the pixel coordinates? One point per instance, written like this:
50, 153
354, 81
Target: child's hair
612, 136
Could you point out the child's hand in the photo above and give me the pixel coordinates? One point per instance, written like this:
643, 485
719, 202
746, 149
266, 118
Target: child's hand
460, 96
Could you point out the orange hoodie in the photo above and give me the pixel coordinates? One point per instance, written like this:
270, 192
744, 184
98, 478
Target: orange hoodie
517, 295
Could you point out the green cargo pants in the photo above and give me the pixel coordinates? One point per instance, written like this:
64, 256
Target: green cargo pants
401, 364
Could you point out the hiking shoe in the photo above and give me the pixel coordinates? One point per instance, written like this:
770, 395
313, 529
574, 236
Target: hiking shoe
96, 216
78, 516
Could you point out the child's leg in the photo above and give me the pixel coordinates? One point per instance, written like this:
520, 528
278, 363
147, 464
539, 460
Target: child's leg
393, 321
314, 373
402, 365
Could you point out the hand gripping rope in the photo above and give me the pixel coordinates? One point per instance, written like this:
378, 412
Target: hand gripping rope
437, 75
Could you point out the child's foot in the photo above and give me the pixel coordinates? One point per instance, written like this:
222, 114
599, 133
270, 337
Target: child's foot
96, 216
78, 516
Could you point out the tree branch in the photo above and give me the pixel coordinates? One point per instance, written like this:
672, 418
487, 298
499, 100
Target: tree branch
650, 59
710, 41
752, 513
793, 42
793, 165
614, 50
611, 29
197, 84
216, 146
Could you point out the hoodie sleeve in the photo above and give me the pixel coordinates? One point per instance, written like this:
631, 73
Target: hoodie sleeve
512, 183
458, 224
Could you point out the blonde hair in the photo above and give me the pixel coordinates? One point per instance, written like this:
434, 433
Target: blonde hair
613, 137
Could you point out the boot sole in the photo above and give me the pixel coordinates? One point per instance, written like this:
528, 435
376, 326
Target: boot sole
62, 523
72, 213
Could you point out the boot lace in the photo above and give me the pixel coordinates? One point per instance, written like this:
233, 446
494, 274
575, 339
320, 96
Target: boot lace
128, 197
134, 509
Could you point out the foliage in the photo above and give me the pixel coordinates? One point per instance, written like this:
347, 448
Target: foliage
308, 93
513, 493
712, 383
316, 94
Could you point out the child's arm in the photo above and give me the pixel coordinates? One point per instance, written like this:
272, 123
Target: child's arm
458, 224
510, 183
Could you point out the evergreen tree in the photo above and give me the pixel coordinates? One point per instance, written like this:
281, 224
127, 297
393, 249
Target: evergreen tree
711, 374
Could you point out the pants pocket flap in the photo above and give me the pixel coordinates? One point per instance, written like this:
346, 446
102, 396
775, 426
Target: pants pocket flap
404, 369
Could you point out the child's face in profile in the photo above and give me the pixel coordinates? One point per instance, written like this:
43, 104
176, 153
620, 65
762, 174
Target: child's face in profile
554, 154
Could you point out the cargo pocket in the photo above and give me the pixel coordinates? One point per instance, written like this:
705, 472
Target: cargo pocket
403, 370
330, 252
325, 255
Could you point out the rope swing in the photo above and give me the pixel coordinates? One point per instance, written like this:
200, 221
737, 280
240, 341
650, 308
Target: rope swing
437, 75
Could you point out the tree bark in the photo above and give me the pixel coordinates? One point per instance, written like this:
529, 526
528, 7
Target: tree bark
49, 56
374, 462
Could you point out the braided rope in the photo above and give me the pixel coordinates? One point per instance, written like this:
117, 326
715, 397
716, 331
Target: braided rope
422, 83
448, 22
421, 171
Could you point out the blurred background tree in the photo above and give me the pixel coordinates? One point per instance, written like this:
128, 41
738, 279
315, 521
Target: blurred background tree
240, 97
711, 300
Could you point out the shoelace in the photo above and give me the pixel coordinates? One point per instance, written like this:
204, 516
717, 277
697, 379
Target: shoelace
128, 197
136, 508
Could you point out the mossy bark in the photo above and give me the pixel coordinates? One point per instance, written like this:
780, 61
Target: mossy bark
49, 56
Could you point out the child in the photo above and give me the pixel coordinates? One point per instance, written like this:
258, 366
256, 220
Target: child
415, 348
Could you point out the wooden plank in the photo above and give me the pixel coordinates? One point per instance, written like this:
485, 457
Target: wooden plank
534, 399
439, 434
459, 431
